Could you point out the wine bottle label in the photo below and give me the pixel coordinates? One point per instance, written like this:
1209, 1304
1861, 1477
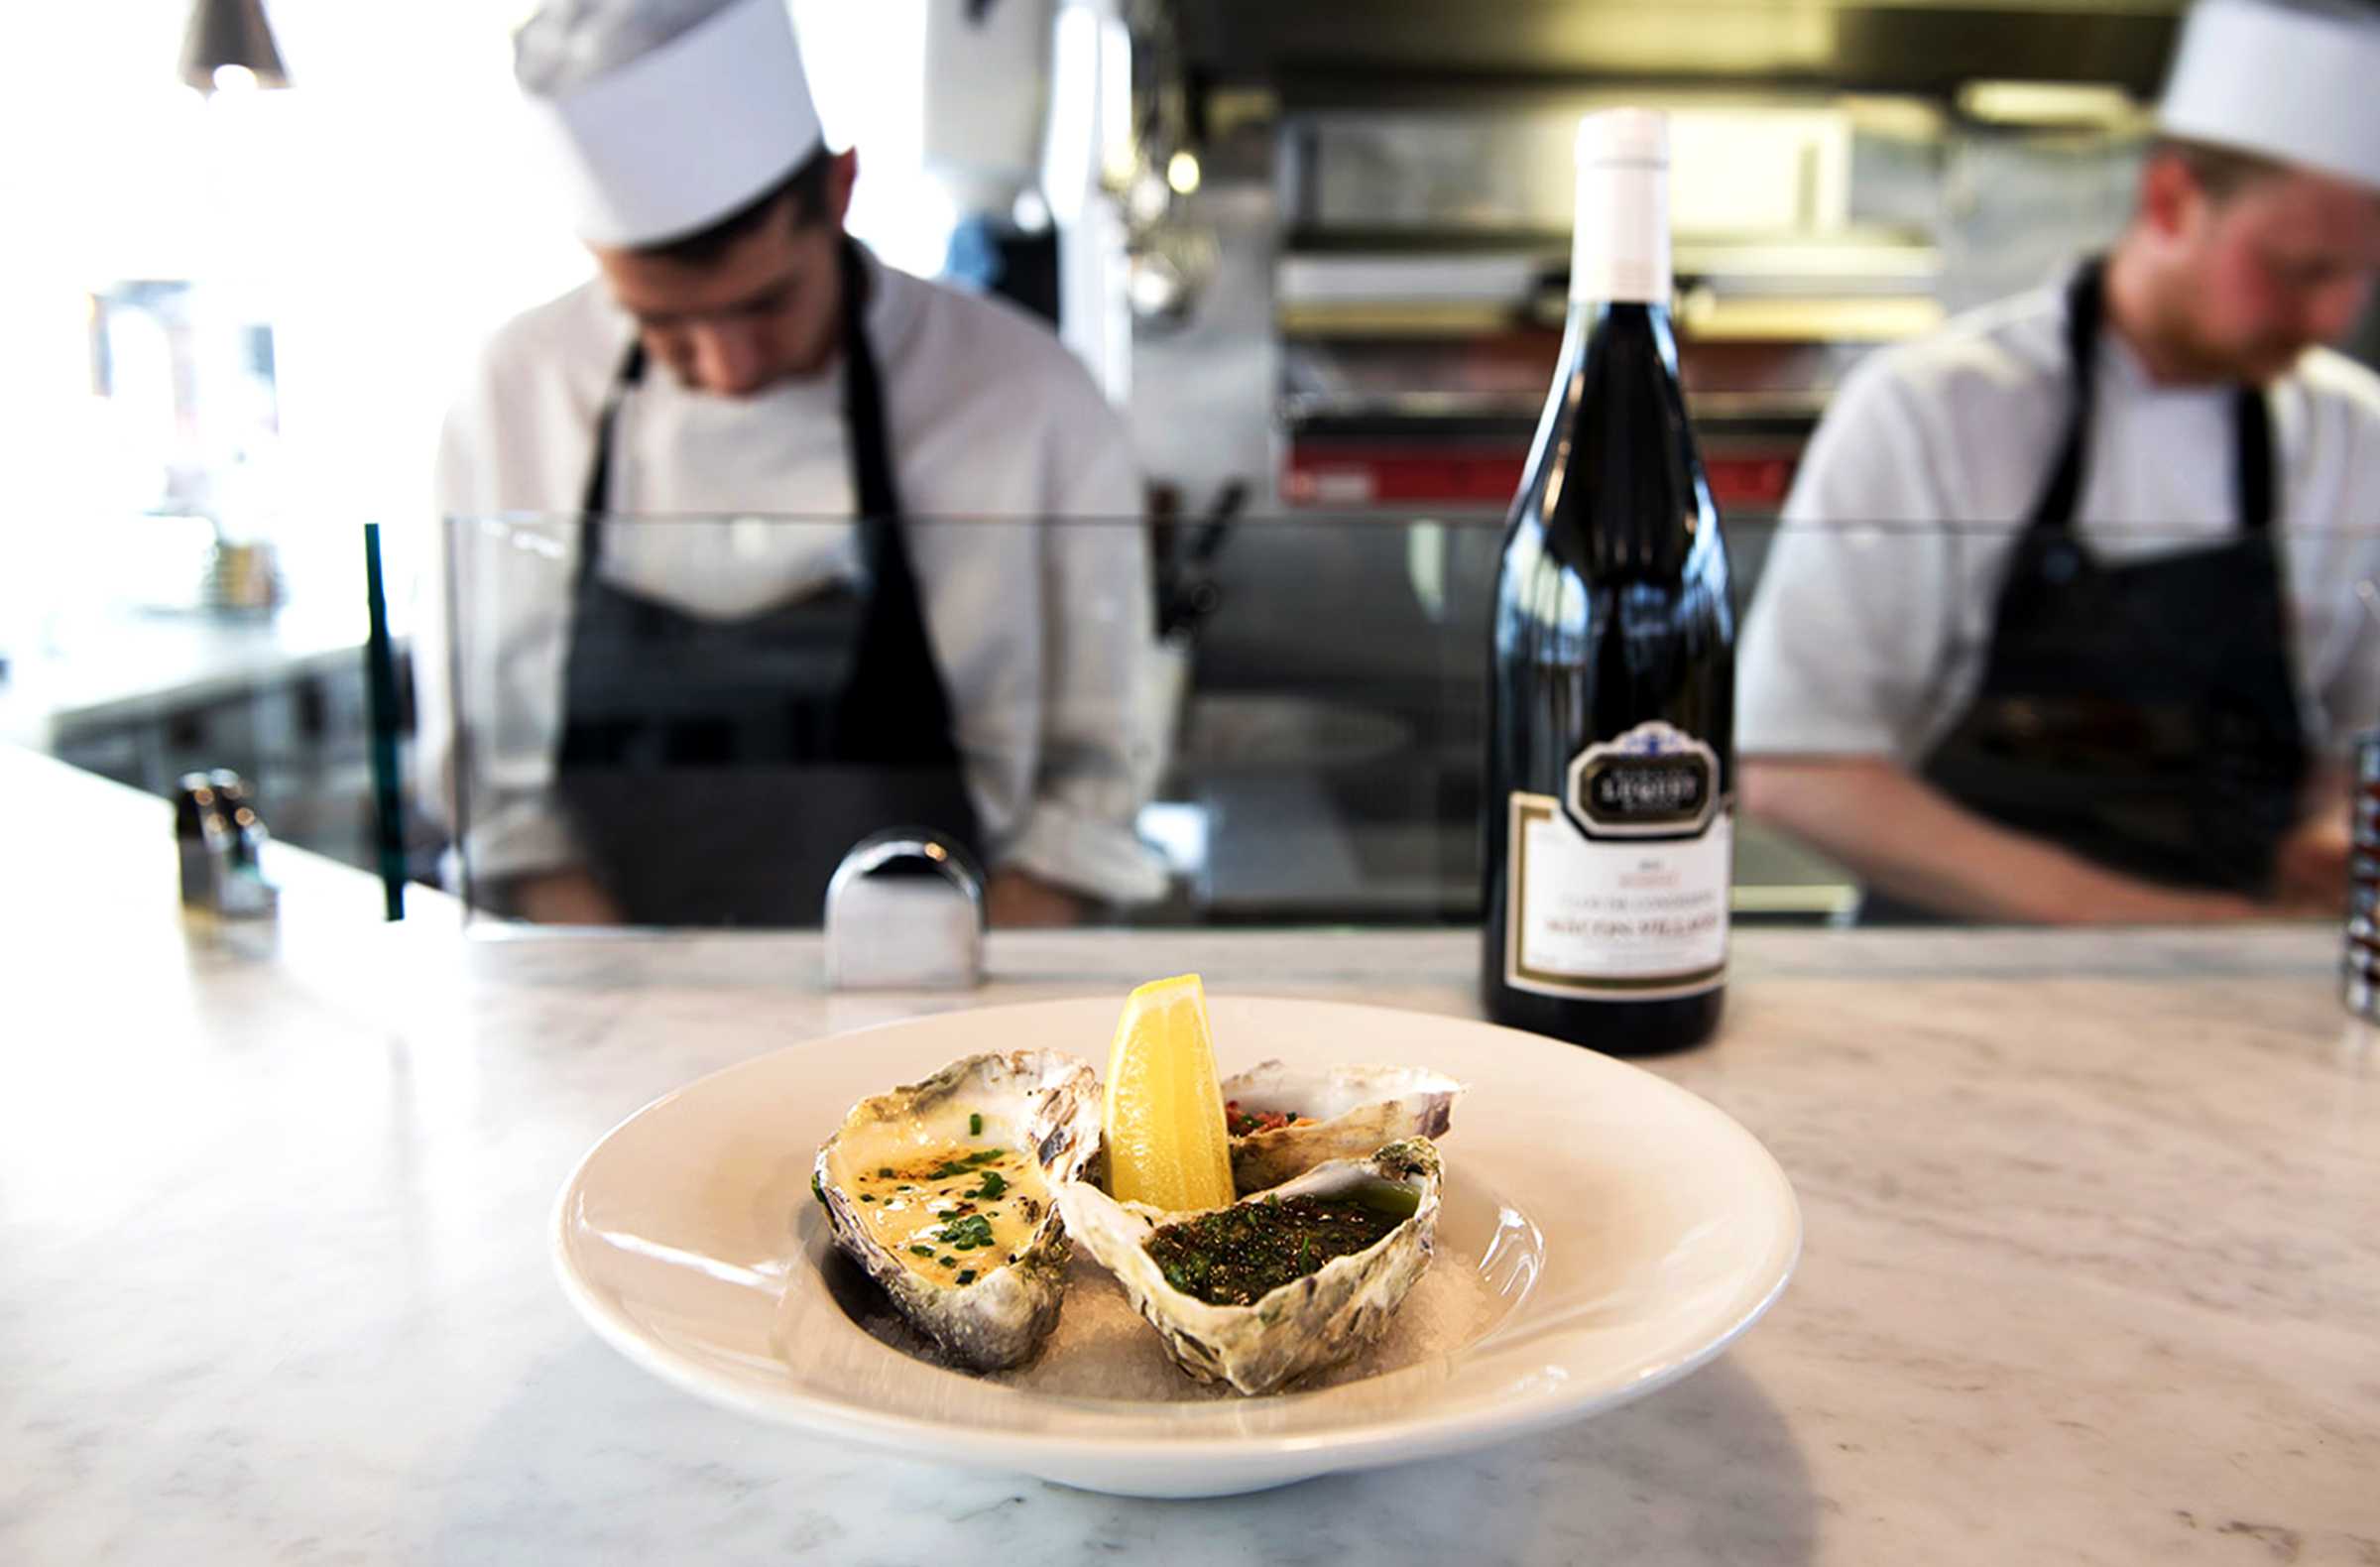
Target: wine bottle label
1620, 891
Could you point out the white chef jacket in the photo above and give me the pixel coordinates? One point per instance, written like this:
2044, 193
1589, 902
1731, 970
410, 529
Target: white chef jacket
1871, 639
1003, 453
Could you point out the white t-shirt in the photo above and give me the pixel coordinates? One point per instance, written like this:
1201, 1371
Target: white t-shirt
1869, 629
1041, 625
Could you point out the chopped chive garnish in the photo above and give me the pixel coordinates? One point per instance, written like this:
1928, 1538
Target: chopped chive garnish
885, 1174
922, 1251
967, 1275
863, 1197
965, 1165
975, 1126
966, 1234
950, 1261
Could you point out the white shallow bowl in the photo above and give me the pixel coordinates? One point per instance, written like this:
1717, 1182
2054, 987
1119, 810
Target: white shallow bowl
1622, 1233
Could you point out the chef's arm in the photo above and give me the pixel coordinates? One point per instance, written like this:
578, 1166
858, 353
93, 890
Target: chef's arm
1099, 738
1016, 899
522, 859
2310, 870
567, 896
1907, 840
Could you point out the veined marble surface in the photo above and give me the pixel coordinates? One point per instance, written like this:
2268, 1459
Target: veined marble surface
2092, 1266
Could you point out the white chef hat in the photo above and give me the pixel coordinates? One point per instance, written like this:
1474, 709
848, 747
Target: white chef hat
2297, 81
660, 117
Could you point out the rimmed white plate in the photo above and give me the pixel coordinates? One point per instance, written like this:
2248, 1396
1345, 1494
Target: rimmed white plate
1621, 1232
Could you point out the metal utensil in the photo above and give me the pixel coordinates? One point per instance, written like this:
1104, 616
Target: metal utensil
904, 910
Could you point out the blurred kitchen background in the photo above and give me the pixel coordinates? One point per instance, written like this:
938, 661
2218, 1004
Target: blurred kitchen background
1318, 250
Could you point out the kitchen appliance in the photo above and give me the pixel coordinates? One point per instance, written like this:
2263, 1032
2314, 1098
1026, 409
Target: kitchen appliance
1426, 258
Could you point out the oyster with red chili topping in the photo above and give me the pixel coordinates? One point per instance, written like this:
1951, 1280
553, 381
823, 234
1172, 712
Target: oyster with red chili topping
1341, 1114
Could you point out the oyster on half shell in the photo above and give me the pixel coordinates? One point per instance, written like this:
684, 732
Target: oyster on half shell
1315, 1319
1344, 1112
943, 1191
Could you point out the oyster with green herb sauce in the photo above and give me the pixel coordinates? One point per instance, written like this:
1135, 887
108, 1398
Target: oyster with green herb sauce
942, 1191
1275, 1286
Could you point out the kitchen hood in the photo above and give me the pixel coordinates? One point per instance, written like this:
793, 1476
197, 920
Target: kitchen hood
1316, 54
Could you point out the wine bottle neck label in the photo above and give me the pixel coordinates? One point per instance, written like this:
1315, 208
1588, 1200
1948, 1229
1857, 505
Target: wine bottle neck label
1620, 248
1654, 782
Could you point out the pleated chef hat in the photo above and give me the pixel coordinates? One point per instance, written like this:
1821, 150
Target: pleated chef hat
2297, 81
661, 117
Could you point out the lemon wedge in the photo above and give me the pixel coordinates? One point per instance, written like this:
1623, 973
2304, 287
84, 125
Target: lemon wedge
1166, 1142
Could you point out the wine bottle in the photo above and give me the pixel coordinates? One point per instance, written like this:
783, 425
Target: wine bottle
1611, 689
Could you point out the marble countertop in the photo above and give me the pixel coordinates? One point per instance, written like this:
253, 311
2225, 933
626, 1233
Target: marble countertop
2092, 1265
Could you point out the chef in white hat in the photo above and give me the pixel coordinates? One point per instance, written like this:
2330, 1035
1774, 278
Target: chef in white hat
2099, 659
700, 716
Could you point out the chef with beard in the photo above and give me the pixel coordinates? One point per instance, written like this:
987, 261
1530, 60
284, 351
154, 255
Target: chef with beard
2062, 621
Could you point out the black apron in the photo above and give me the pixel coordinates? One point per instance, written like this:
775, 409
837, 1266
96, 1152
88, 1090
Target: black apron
716, 771
2143, 716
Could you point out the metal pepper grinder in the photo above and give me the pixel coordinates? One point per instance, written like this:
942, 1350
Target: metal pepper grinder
2359, 975
221, 839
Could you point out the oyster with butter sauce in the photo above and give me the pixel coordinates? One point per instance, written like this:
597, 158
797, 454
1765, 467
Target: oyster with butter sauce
1274, 1286
942, 1190
1283, 1120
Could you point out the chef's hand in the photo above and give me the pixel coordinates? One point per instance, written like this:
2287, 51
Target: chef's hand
2309, 869
1020, 899
563, 898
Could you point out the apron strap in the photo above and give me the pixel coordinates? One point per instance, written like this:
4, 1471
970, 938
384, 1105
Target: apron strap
595, 496
895, 648
2252, 438
2252, 420
2084, 302
872, 485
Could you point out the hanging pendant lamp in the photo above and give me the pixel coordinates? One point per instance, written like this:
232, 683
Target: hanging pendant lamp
229, 37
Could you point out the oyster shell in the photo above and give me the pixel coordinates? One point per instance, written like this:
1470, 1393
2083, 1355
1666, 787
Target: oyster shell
1349, 1110
1308, 1323
942, 1190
